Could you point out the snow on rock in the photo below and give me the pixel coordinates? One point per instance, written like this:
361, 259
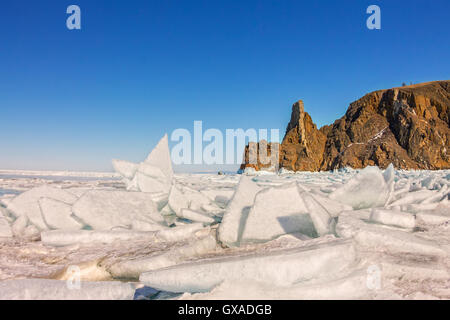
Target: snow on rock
389, 174
365, 190
106, 209
132, 269
43, 289
282, 268
277, 211
27, 203
58, 215
234, 219
393, 218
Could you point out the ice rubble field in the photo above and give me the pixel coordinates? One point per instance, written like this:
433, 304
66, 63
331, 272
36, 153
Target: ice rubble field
349, 234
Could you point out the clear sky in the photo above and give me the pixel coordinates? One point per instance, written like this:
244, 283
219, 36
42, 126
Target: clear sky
74, 99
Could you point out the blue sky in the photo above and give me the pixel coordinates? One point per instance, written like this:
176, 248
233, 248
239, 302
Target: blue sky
74, 99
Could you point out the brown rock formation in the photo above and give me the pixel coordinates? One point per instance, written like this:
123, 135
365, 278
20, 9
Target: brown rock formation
407, 126
262, 155
303, 144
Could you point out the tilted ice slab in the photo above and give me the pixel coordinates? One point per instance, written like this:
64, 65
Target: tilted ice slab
281, 268
65, 238
132, 269
322, 220
393, 218
160, 157
58, 215
413, 270
177, 200
27, 203
413, 197
43, 289
365, 190
353, 286
155, 182
432, 218
221, 196
125, 168
155, 174
105, 209
334, 208
385, 239
234, 219
185, 198
277, 211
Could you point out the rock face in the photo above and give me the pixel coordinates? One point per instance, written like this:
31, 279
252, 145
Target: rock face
406, 126
303, 144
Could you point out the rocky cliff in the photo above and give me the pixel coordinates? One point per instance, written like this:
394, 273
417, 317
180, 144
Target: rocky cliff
406, 126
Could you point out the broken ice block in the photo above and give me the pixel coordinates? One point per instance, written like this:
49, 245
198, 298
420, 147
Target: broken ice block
58, 215
281, 267
27, 203
106, 209
277, 211
234, 219
367, 189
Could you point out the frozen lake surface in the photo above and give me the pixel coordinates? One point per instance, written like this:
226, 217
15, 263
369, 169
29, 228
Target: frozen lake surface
387, 241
